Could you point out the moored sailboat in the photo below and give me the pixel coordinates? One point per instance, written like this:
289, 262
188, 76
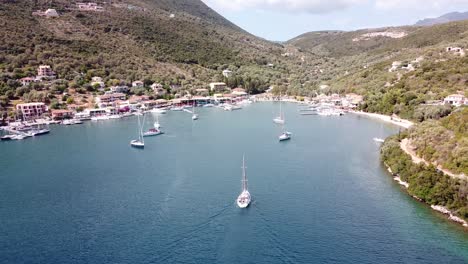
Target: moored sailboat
140, 142
280, 119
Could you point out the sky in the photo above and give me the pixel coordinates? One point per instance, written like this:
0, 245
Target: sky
281, 20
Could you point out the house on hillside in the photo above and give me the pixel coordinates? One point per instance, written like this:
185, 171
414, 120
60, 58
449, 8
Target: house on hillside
119, 89
45, 72
156, 86
60, 114
89, 7
32, 110
227, 73
110, 98
47, 13
27, 81
97, 81
456, 100
218, 87
456, 50
239, 92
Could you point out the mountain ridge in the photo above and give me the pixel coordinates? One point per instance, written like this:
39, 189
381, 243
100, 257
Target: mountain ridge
446, 18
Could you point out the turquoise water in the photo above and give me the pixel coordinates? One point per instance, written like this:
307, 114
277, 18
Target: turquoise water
82, 195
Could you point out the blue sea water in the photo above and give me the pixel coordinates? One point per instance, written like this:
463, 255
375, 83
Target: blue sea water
82, 195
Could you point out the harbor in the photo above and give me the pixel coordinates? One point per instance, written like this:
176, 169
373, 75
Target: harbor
182, 189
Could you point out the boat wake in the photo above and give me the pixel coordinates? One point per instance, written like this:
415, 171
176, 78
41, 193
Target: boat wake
167, 252
282, 251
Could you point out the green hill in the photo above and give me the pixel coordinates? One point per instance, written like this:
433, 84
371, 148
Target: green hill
133, 39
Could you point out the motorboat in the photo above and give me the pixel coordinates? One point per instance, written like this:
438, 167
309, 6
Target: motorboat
379, 140
158, 111
285, 136
7, 137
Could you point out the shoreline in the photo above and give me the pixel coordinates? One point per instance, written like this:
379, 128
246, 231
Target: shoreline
405, 145
438, 208
396, 121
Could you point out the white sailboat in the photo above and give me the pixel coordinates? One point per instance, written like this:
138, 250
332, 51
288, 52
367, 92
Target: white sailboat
140, 142
286, 135
156, 124
280, 119
243, 200
194, 115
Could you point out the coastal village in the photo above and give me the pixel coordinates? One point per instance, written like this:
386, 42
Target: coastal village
117, 101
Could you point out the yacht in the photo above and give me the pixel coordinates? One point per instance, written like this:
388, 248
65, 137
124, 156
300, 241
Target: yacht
228, 107
18, 137
115, 117
177, 108
243, 200
7, 137
285, 136
140, 142
39, 132
68, 122
99, 118
209, 105
379, 140
158, 111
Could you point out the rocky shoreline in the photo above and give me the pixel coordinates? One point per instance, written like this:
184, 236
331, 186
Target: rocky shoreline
449, 214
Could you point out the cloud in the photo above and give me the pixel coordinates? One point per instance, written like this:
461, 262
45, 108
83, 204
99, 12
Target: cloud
327, 6
295, 6
417, 4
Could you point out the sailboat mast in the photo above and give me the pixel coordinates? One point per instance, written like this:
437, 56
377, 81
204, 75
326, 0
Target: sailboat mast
244, 176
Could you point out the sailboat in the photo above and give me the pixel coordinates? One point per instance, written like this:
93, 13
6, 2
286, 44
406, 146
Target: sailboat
153, 131
140, 142
243, 200
286, 135
280, 119
194, 115
156, 124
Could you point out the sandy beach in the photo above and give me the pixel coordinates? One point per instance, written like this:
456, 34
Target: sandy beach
396, 121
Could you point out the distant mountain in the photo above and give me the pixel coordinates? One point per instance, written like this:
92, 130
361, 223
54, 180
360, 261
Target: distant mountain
450, 17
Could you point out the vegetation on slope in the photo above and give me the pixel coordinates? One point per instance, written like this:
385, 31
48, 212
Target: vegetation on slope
444, 142
426, 182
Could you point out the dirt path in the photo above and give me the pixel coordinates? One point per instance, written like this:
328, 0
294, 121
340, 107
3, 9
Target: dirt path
408, 149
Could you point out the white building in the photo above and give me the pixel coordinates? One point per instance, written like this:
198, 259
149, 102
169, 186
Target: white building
27, 81
89, 7
51, 13
456, 100
45, 72
227, 73
218, 87
47, 13
97, 81
32, 110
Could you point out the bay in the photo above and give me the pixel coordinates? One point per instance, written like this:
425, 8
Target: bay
83, 195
